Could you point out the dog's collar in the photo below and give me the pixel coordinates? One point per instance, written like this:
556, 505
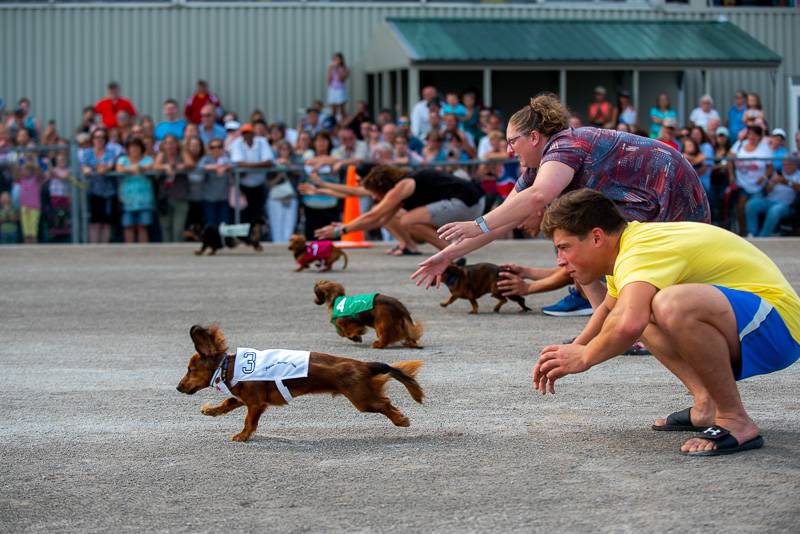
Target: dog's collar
451, 280
223, 370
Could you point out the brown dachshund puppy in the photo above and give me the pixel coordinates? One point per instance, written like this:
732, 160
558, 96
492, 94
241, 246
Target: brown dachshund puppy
322, 252
473, 281
388, 317
361, 382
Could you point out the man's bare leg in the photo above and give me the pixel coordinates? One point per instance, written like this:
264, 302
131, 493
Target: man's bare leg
698, 321
595, 293
703, 409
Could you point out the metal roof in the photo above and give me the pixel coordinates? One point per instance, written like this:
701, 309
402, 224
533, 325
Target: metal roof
657, 43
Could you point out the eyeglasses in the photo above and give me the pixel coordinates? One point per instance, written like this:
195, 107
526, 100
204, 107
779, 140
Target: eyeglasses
206, 114
512, 140
214, 147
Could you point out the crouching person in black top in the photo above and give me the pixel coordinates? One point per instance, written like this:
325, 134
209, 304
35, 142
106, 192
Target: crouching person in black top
430, 199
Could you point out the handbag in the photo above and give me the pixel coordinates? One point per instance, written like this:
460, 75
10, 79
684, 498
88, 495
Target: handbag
232, 199
281, 191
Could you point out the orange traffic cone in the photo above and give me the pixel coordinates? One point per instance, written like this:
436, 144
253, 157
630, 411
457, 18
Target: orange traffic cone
352, 209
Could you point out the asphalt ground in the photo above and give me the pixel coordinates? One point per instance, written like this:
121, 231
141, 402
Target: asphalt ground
94, 436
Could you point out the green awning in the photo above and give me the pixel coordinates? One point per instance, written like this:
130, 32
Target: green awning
570, 42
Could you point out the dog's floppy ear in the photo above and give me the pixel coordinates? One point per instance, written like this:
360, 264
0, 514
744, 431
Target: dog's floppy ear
208, 341
320, 292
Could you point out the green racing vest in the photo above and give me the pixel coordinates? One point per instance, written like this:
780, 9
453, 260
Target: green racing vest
349, 306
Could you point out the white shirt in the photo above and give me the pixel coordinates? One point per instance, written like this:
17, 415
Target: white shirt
700, 118
257, 153
749, 172
484, 146
420, 125
359, 151
784, 193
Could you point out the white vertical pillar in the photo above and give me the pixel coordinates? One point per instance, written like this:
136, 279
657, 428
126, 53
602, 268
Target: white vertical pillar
487, 87
635, 91
398, 91
385, 96
413, 87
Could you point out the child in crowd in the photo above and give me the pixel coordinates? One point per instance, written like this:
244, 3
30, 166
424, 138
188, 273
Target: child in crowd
136, 192
30, 181
56, 202
9, 220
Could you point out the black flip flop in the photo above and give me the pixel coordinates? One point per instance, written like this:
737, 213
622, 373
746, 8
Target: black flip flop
396, 248
678, 422
407, 252
726, 444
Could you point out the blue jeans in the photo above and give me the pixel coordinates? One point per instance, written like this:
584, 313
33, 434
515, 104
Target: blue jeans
282, 218
775, 212
216, 212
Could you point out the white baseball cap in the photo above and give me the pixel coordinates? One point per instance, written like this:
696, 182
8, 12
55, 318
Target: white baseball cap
232, 125
779, 131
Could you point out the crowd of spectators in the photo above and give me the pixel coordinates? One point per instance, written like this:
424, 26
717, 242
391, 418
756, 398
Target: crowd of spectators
162, 180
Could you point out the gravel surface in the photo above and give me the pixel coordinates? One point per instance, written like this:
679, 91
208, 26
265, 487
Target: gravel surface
95, 438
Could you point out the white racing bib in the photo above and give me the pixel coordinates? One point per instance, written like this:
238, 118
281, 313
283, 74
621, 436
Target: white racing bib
234, 230
273, 365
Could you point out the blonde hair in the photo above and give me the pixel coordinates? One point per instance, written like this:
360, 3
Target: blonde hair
545, 114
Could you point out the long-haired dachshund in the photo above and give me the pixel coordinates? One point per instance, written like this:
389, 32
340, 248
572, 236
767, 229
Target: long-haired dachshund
361, 382
388, 317
473, 281
212, 239
322, 252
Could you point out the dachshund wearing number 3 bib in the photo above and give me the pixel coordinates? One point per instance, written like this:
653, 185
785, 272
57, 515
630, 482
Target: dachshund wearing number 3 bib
258, 379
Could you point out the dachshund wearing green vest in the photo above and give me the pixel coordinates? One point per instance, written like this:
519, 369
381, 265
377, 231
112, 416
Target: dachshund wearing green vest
351, 315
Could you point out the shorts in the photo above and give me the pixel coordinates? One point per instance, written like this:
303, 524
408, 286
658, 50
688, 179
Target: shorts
766, 343
137, 218
454, 210
101, 209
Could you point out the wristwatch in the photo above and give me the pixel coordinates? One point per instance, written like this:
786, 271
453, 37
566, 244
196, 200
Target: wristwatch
482, 225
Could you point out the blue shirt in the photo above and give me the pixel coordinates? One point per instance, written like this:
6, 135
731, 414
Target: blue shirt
655, 129
779, 154
136, 190
735, 121
217, 132
166, 128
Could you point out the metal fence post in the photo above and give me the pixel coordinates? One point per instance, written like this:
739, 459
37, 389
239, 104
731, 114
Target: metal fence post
76, 219
237, 217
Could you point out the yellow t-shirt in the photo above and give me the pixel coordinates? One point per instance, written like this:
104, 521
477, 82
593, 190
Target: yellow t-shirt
672, 253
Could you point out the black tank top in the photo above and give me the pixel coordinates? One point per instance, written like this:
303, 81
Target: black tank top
433, 186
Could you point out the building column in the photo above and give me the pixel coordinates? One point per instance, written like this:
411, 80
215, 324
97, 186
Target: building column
413, 87
487, 87
562, 86
635, 91
385, 93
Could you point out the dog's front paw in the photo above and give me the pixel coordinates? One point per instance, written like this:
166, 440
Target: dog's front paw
377, 345
357, 339
241, 436
208, 410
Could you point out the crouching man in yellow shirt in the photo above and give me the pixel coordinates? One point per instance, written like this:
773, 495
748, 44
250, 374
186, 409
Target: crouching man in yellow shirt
709, 305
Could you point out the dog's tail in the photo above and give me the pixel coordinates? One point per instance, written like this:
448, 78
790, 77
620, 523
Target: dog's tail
404, 372
415, 330
344, 255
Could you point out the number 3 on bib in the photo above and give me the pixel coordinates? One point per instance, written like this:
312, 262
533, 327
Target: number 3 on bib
249, 362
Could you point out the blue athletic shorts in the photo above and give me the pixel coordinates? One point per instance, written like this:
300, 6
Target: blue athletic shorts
766, 343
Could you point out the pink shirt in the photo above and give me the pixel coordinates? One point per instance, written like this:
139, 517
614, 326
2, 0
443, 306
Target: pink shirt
30, 192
